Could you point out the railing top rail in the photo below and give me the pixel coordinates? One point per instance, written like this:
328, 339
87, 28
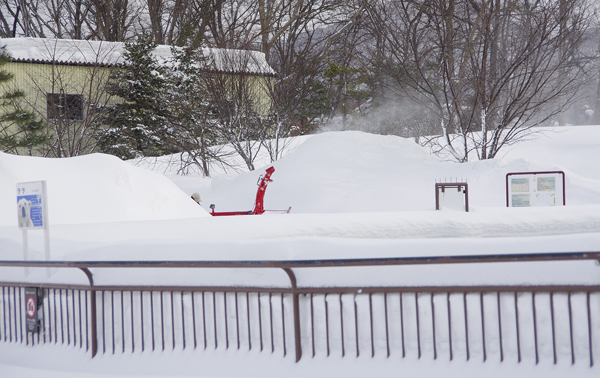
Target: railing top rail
423, 260
574, 288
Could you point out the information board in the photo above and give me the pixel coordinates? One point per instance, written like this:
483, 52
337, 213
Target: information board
31, 204
525, 189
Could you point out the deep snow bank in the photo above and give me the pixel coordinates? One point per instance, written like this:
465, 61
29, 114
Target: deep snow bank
359, 172
93, 189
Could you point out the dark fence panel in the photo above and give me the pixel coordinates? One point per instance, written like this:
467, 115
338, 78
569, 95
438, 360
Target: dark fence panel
64, 317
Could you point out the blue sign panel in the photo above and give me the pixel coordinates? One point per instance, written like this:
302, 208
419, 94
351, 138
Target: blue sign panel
30, 204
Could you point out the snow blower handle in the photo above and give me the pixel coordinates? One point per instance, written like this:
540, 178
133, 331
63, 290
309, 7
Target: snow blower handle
266, 176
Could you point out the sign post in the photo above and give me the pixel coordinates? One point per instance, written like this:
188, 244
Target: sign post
32, 306
32, 213
454, 196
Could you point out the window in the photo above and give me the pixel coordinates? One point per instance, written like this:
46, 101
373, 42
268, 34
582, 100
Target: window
64, 106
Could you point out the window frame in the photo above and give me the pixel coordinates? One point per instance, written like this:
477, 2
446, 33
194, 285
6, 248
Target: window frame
70, 103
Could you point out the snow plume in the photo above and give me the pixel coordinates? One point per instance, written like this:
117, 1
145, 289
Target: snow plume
389, 116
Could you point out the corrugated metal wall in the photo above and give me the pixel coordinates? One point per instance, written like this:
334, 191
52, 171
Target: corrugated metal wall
37, 80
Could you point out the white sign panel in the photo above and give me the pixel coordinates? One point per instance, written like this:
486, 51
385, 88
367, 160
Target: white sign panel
31, 204
535, 189
452, 199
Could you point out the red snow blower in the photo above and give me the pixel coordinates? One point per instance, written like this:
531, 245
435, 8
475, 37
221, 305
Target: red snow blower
259, 208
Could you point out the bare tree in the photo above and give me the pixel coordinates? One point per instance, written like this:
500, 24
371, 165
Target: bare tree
193, 128
296, 38
74, 99
112, 20
238, 103
593, 113
63, 18
495, 67
107, 20
16, 18
181, 22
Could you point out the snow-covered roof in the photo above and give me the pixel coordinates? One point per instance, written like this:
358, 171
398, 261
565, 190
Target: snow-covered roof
80, 52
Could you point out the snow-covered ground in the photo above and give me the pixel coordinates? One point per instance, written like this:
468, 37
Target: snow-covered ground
353, 195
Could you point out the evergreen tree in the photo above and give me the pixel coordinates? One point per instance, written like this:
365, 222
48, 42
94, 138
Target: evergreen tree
191, 118
137, 126
19, 127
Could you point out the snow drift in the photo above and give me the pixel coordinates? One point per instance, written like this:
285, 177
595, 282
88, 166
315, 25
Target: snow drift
93, 189
359, 172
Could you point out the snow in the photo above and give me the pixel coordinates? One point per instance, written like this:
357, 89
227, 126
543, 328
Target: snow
353, 195
94, 189
372, 173
70, 51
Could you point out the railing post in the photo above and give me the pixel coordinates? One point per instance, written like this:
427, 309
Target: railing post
93, 311
296, 301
